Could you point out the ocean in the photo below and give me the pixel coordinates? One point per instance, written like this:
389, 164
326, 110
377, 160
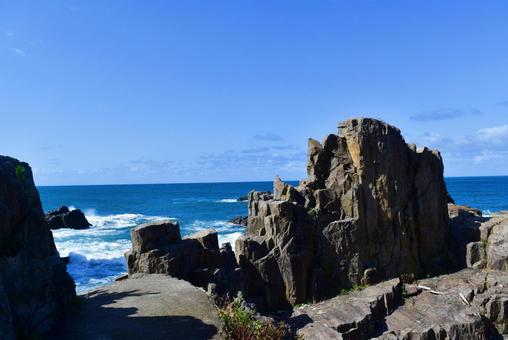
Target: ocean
96, 254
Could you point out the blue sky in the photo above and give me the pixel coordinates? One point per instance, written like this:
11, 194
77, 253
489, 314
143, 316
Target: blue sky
95, 92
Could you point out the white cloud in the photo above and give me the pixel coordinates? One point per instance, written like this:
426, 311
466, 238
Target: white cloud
8, 33
19, 52
494, 134
487, 155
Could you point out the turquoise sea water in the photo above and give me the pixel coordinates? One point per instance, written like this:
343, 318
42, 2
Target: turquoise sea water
96, 254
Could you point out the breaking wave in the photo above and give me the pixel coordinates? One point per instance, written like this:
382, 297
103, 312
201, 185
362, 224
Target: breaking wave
97, 254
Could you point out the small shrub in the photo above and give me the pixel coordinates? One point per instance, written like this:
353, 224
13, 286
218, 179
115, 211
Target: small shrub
313, 213
356, 288
20, 172
240, 323
407, 278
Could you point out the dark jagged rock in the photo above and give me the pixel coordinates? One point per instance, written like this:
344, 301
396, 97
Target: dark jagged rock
464, 228
239, 220
35, 288
65, 218
157, 247
372, 205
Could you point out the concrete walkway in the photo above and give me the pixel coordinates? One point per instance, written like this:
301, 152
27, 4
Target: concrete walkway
145, 306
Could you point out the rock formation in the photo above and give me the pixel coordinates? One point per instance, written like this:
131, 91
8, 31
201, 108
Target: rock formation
481, 242
372, 208
239, 220
158, 248
65, 218
35, 289
468, 304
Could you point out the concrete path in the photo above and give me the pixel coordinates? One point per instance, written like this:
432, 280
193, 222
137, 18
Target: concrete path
145, 306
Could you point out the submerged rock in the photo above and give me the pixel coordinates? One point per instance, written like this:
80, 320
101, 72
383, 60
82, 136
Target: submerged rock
63, 217
157, 247
372, 207
239, 220
35, 289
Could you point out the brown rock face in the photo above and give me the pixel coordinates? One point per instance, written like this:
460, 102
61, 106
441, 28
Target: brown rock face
372, 206
35, 289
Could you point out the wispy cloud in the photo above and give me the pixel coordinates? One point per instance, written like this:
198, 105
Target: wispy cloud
268, 136
8, 33
496, 134
256, 150
488, 155
285, 147
265, 161
19, 52
503, 103
443, 114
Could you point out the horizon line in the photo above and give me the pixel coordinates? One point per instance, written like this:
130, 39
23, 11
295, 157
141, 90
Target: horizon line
219, 182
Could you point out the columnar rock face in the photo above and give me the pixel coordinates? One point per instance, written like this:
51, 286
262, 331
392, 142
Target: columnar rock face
35, 289
158, 248
372, 208
488, 246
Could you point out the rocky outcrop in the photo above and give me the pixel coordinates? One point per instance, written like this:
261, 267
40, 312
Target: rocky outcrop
35, 289
372, 207
159, 248
65, 218
489, 247
239, 220
357, 315
469, 304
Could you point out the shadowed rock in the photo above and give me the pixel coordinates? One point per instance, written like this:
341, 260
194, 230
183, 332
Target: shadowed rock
35, 289
145, 307
372, 207
65, 218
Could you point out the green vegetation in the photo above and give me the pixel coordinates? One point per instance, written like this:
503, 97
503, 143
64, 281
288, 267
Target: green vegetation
240, 323
314, 212
20, 172
356, 288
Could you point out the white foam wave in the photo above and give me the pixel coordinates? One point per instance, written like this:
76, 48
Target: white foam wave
94, 249
230, 238
89, 274
228, 200
219, 225
227, 232
487, 213
97, 254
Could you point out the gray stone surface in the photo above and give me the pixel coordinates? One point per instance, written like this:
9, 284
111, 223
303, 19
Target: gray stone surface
145, 306
378, 311
371, 204
357, 315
